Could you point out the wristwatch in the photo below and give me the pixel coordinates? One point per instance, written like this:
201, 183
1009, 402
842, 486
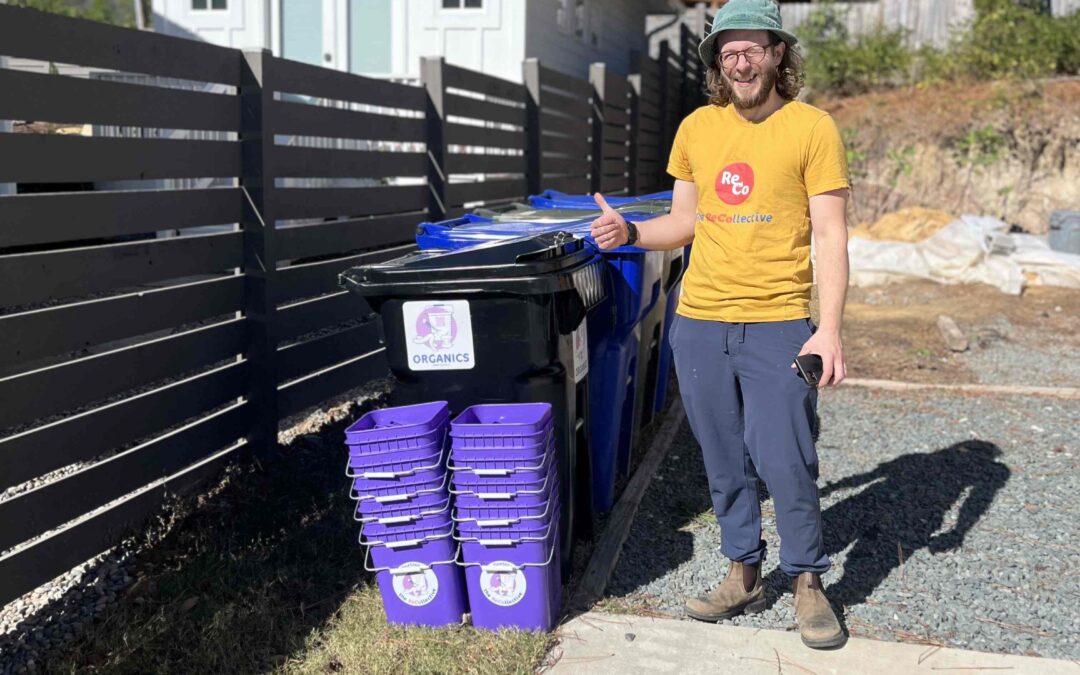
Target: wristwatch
632, 238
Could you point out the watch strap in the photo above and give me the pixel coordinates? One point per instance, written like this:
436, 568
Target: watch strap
632, 230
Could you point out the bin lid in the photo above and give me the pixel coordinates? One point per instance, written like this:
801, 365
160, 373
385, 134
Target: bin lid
557, 199
472, 229
537, 263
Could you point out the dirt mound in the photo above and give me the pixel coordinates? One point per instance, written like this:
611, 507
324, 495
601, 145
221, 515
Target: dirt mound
911, 224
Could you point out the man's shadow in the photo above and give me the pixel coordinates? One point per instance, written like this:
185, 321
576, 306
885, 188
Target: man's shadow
900, 510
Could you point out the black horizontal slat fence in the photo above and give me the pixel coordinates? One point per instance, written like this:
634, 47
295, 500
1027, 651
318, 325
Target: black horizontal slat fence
135, 363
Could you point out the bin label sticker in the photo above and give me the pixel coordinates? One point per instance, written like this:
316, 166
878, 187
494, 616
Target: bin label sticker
581, 352
415, 584
505, 587
439, 335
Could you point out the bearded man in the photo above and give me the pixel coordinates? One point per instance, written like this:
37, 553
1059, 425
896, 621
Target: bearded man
756, 173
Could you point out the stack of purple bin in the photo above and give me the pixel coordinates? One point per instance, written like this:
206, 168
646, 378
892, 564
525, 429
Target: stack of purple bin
504, 480
398, 467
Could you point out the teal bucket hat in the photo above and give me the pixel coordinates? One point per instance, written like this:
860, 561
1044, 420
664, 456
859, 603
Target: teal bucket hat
744, 15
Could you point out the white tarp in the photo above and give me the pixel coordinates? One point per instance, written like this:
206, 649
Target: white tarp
973, 249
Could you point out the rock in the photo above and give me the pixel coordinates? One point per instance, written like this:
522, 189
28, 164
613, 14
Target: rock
630, 637
950, 332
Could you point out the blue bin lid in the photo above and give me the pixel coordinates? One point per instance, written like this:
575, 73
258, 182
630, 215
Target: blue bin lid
551, 199
471, 230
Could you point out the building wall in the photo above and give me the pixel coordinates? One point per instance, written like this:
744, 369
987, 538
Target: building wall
241, 26
619, 27
490, 40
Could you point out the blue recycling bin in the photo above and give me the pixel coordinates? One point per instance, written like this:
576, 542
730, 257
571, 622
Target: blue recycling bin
613, 333
654, 359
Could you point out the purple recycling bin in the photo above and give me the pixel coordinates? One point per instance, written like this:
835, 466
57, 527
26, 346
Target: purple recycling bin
417, 504
511, 491
512, 576
398, 463
398, 428
418, 577
477, 478
401, 489
501, 511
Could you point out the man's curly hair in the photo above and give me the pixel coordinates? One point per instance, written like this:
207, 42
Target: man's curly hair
791, 74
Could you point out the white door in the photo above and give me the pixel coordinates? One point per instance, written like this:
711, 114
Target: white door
313, 31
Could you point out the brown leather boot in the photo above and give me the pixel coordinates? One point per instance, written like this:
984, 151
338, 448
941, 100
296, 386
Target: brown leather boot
740, 593
818, 625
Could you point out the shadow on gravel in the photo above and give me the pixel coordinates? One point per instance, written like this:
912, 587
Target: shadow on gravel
902, 507
243, 578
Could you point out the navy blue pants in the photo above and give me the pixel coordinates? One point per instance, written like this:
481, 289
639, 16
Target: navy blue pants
753, 416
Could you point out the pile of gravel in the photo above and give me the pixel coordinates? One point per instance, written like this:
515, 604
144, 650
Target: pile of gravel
950, 520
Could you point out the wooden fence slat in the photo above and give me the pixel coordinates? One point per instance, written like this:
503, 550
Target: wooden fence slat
612, 183
299, 162
58, 502
456, 77
463, 134
304, 358
616, 134
570, 184
614, 166
293, 203
571, 126
24, 570
490, 190
55, 98
571, 85
90, 43
575, 165
301, 78
83, 437
318, 313
616, 116
48, 158
29, 336
51, 218
41, 393
302, 119
317, 387
489, 111
477, 163
32, 277
343, 236
318, 278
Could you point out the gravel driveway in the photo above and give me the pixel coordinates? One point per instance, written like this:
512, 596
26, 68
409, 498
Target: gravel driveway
950, 519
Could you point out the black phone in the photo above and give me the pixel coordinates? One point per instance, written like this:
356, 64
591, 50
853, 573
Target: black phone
810, 368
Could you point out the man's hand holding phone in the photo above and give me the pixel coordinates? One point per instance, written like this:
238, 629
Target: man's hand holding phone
824, 344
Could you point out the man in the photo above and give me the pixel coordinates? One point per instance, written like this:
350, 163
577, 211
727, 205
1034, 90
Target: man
756, 172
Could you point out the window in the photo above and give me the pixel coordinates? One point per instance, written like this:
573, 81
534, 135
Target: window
462, 4
209, 4
575, 17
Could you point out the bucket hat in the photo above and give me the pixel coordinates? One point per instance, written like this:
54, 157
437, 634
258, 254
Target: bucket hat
744, 15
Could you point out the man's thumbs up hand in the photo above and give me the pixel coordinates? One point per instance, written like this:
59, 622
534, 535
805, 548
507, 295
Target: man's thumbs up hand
609, 229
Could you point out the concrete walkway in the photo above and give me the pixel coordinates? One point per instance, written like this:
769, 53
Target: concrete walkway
624, 644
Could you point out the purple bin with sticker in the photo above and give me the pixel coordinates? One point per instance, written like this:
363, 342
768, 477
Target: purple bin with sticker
512, 575
478, 473
418, 576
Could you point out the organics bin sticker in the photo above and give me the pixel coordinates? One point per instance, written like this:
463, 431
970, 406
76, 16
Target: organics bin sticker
439, 335
415, 584
581, 352
503, 588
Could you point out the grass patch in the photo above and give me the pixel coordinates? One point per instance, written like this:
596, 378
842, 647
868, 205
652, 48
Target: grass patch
358, 640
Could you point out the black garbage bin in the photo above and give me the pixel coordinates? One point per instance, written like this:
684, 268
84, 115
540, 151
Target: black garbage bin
496, 323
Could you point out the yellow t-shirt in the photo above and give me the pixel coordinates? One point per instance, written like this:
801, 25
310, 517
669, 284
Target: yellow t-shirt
751, 256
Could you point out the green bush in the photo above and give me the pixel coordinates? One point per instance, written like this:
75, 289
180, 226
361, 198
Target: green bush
1008, 38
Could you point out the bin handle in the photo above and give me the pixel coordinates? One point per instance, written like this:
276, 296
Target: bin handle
506, 542
501, 495
390, 499
350, 473
389, 521
509, 566
404, 543
511, 521
505, 472
414, 566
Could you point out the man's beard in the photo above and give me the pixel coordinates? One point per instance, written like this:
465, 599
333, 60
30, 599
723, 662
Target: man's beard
766, 83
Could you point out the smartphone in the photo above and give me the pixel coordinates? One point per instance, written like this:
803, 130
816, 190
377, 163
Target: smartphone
810, 368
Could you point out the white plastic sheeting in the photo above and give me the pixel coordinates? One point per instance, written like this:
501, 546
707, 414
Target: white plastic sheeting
973, 249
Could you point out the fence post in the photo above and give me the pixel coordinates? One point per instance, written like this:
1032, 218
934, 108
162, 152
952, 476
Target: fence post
635, 130
684, 68
431, 75
260, 247
666, 116
597, 75
533, 170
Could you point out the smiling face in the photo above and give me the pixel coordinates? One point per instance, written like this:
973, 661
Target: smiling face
748, 61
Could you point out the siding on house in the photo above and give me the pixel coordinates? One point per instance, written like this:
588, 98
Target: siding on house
241, 26
490, 40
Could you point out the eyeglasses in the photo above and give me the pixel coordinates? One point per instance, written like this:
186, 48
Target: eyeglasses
754, 55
